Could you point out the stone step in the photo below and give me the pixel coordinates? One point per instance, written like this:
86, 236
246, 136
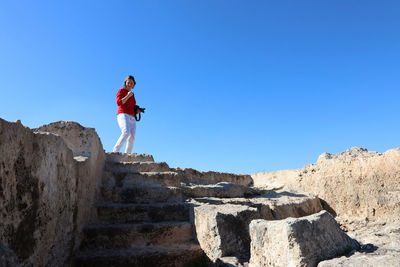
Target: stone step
123, 157
141, 194
210, 177
156, 193
273, 205
137, 213
123, 179
220, 190
136, 166
170, 178
125, 235
172, 255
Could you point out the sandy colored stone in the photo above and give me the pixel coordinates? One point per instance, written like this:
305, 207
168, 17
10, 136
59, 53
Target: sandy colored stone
275, 205
50, 177
229, 262
222, 224
81, 140
222, 230
380, 244
37, 194
296, 242
90, 157
44, 194
363, 260
128, 157
220, 190
355, 183
190, 175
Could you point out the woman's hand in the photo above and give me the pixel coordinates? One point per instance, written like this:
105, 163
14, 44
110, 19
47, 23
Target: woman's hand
128, 95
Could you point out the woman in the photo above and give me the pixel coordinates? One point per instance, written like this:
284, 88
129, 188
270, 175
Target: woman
126, 115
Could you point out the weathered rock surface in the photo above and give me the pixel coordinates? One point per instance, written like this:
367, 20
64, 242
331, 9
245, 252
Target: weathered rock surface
222, 230
136, 166
273, 205
142, 219
146, 213
298, 242
359, 186
7, 257
44, 194
229, 262
123, 157
89, 155
220, 190
142, 194
193, 176
222, 224
363, 260
170, 255
81, 140
380, 244
141, 234
355, 183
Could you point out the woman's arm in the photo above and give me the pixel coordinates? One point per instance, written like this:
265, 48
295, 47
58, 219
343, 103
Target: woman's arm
128, 95
121, 98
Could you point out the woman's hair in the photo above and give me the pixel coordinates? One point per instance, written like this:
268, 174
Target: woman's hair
129, 77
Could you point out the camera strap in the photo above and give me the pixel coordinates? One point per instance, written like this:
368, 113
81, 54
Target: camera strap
136, 118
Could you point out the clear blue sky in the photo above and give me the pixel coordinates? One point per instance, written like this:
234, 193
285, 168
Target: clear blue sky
236, 86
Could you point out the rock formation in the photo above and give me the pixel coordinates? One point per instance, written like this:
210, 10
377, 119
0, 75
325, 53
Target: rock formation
7, 257
65, 202
355, 183
45, 193
363, 189
294, 242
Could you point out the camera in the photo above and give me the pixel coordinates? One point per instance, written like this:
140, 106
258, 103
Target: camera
138, 111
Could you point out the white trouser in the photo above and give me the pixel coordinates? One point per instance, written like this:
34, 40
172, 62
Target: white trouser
127, 123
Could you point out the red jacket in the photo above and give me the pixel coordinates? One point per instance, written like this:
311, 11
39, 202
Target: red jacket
129, 106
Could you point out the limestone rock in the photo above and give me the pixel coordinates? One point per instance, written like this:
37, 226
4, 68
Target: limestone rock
297, 242
170, 255
229, 262
210, 177
124, 157
380, 244
281, 178
89, 155
44, 194
355, 183
81, 140
222, 230
275, 205
364, 260
37, 194
224, 215
220, 190
7, 257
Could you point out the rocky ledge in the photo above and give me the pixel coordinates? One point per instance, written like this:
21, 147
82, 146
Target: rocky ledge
65, 202
362, 189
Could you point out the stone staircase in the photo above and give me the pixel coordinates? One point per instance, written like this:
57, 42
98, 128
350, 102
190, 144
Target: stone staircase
143, 216
143, 219
147, 212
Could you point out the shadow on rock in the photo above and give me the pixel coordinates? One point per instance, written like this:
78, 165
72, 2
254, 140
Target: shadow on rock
273, 194
327, 207
368, 248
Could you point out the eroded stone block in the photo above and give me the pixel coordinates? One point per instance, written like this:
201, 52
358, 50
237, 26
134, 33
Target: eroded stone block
298, 242
222, 230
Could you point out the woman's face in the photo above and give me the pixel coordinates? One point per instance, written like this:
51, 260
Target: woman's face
129, 84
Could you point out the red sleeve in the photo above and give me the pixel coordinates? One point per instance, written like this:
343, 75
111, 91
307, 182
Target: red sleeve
121, 94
